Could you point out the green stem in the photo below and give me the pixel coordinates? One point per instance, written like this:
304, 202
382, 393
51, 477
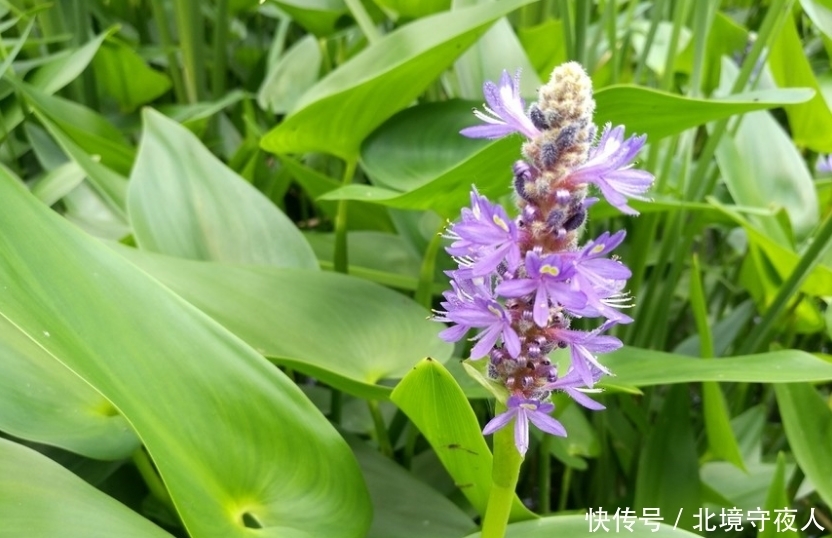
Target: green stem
174, 69
192, 42
679, 16
151, 477
341, 257
565, 484
504, 475
581, 28
382, 436
544, 480
220, 44
424, 290
566, 19
365, 22
655, 19
777, 13
759, 336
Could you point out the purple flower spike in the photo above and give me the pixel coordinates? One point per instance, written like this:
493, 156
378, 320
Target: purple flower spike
824, 164
506, 109
609, 167
484, 237
524, 411
547, 277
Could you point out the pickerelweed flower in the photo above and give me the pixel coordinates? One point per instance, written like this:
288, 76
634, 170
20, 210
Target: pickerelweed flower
521, 281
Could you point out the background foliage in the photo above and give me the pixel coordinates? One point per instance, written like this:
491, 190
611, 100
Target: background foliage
219, 243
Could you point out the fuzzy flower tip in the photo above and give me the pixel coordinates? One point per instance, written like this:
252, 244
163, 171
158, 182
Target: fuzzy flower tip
521, 280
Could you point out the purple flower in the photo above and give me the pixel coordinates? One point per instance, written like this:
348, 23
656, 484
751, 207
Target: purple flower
601, 279
506, 109
522, 411
609, 167
547, 280
574, 386
584, 345
824, 164
484, 237
477, 311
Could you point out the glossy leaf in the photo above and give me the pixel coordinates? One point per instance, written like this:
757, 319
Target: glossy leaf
185, 202
421, 162
807, 420
56, 183
343, 108
644, 367
292, 75
85, 127
820, 12
578, 526
43, 401
403, 506
205, 405
414, 9
669, 479
777, 499
434, 402
769, 172
339, 329
659, 114
545, 45
126, 77
41, 499
746, 489
321, 17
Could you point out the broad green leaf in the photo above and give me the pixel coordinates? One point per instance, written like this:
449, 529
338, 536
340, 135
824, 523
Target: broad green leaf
342, 330
43, 401
62, 70
768, 172
343, 108
185, 202
292, 75
403, 506
320, 17
124, 75
41, 499
782, 258
669, 479
195, 116
54, 75
497, 50
820, 12
110, 186
57, 182
644, 367
86, 128
414, 9
721, 441
746, 489
422, 162
381, 252
577, 526
359, 217
659, 114
777, 499
660, 46
807, 420
233, 439
435, 403
810, 122
544, 45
